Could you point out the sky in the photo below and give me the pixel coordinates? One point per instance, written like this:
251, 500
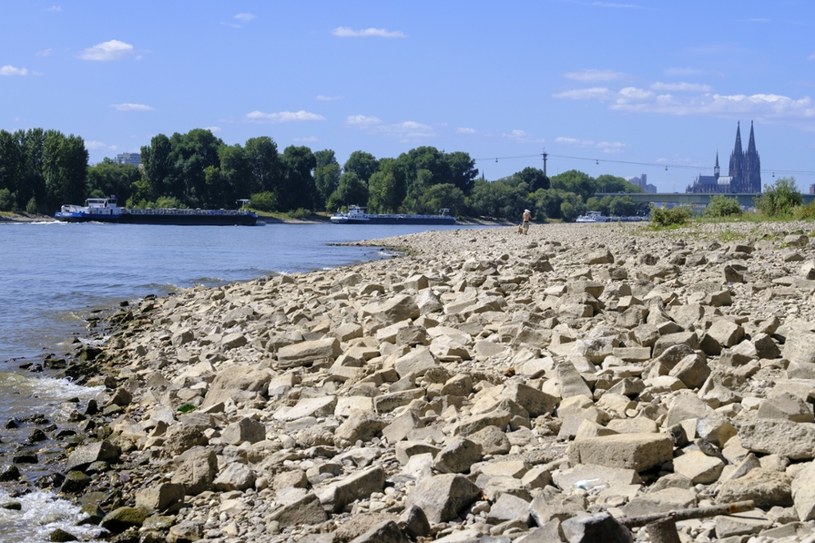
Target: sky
626, 88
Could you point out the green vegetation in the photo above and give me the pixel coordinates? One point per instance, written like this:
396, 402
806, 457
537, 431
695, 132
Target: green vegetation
43, 169
780, 199
722, 206
673, 217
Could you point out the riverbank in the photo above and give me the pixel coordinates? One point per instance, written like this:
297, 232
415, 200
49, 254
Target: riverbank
484, 384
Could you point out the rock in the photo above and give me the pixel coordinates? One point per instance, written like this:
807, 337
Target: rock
122, 518
457, 456
765, 487
639, 452
85, 455
245, 430
698, 467
305, 511
160, 497
240, 383
196, 470
803, 492
443, 498
308, 352
786, 438
385, 532
362, 484
600, 527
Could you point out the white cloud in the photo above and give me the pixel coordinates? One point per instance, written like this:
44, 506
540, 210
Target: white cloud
680, 87
403, 131
516, 134
44, 53
54, 9
634, 93
8, 69
345, 32
213, 129
683, 99
106, 51
324, 98
604, 146
593, 93
594, 75
129, 106
244, 17
465, 130
283, 116
362, 120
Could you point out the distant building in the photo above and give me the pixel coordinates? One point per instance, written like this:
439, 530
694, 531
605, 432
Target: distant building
133, 159
812, 189
744, 173
642, 183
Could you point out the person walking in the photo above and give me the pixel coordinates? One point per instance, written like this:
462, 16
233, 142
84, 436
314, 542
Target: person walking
525, 218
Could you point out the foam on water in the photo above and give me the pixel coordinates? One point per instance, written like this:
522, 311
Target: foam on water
40, 514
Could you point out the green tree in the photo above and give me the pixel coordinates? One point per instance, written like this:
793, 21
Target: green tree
462, 171
108, 178
611, 183
779, 199
157, 168
444, 196
265, 168
534, 178
575, 181
11, 167
298, 189
571, 207
386, 187
362, 164
326, 175
351, 191
234, 178
499, 199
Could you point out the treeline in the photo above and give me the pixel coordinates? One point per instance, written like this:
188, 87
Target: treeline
40, 170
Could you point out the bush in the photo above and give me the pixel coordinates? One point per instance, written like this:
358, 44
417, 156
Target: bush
722, 206
669, 217
263, 201
780, 199
804, 213
300, 213
6, 200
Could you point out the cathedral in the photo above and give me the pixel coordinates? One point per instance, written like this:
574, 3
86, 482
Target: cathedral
744, 175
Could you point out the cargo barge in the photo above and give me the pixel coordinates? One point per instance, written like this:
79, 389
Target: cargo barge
357, 215
107, 210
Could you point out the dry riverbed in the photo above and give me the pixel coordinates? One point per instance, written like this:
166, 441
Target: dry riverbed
486, 386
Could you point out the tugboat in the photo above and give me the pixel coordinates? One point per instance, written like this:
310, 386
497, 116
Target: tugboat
107, 210
357, 215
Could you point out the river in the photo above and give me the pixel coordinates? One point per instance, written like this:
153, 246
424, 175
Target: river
54, 275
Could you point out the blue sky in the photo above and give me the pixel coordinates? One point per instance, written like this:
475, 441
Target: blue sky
616, 87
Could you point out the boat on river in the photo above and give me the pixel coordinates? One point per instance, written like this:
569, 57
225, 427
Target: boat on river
593, 216
358, 215
107, 210
596, 216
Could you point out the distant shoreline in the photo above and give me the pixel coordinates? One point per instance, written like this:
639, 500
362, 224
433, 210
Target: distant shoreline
10, 218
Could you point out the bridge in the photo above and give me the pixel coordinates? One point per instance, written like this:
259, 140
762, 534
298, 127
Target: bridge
694, 200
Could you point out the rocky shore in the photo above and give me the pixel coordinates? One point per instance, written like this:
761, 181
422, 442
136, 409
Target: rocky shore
485, 387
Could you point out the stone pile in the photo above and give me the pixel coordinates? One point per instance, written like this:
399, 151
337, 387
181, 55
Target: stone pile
484, 387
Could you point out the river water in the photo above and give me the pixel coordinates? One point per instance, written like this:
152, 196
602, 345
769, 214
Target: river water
54, 275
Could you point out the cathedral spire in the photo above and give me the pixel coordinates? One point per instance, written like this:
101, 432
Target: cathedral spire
752, 166
716, 169
736, 171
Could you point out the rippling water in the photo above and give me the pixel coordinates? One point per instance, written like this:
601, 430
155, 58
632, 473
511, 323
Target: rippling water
53, 275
